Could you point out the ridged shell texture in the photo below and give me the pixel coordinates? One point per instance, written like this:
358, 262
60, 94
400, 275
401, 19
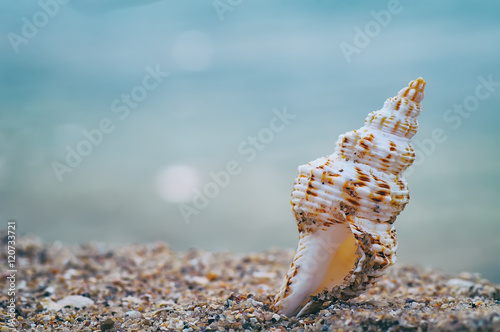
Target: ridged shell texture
345, 206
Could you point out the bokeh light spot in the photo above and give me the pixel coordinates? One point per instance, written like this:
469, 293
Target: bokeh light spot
175, 184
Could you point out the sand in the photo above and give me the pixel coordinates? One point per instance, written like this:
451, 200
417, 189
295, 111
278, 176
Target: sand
152, 288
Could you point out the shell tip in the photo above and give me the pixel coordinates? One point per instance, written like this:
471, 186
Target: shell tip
414, 91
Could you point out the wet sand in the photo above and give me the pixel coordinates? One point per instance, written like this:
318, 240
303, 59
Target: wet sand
152, 288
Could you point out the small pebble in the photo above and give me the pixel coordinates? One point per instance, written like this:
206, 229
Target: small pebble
459, 282
133, 314
107, 324
76, 301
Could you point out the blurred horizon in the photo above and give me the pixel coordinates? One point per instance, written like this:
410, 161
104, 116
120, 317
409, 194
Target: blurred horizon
117, 116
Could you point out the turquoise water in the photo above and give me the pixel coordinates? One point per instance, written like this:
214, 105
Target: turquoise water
185, 121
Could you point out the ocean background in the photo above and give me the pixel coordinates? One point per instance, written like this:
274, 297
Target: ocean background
185, 121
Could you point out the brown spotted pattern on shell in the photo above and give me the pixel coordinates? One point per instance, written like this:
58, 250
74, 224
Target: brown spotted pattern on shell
345, 206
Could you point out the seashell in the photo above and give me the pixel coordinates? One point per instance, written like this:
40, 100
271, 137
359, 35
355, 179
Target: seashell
345, 206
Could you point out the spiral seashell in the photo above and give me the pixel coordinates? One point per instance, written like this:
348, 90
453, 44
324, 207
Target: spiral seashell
346, 204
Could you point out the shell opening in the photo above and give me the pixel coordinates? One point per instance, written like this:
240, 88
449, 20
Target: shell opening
341, 264
323, 259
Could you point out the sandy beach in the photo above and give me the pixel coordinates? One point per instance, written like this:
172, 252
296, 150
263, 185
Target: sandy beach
152, 288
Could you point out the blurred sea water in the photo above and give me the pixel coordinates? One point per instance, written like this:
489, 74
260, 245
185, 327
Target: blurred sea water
137, 121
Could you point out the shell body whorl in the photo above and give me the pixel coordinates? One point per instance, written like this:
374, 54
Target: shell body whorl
345, 206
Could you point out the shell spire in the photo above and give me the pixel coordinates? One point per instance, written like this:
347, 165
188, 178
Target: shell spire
414, 91
345, 206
